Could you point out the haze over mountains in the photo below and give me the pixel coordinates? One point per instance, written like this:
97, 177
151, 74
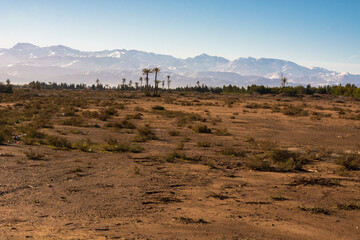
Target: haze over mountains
26, 62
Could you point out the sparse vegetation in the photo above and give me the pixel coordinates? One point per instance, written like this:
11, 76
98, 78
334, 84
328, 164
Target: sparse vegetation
350, 161
145, 133
201, 129
98, 142
58, 142
34, 155
316, 210
114, 146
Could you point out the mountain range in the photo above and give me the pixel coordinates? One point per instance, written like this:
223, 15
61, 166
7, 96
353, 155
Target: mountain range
26, 62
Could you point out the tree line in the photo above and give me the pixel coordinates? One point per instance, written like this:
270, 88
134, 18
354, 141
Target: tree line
144, 85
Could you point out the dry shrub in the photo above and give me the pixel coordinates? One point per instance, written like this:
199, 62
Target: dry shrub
31, 154
144, 134
115, 146
58, 142
350, 161
201, 129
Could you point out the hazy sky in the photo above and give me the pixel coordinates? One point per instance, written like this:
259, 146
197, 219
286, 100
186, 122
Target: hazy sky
321, 33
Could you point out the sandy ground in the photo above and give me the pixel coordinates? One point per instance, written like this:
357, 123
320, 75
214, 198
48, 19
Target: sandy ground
70, 194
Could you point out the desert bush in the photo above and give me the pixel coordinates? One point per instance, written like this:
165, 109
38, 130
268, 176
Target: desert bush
267, 145
348, 207
5, 134
295, 111
133, 116
122, 124
277, 160
287, 161
350, 161
173, 156
258, 163
84, 146
32, 132
90, 114
183, 117
316, 210
115, 146
278, 198
216, 120
77, 131
231, 151
158, 107
187, 220
139, 109
222, 132
31, 154
58, 142
174, 133
201, 129
204, 144
104, 116
73, 121
144, 134
110, 111
327, 182
69, 112
77, 169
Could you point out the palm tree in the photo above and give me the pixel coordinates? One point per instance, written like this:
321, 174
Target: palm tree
156, 70
130, 83
163, 84
141, 80
136, 85
198, 84
98, 85
283, 81
168, 81
124, 81
146, 72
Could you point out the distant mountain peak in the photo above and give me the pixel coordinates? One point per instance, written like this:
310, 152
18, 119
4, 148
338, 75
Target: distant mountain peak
26, 46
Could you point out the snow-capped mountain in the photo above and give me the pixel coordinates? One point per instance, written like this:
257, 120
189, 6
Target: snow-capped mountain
26, 62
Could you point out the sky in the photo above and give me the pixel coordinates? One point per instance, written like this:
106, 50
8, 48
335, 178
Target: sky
322, 33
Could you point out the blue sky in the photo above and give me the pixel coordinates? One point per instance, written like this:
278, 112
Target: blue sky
321, 33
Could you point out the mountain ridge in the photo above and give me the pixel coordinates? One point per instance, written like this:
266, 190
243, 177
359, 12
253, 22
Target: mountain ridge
71, 65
